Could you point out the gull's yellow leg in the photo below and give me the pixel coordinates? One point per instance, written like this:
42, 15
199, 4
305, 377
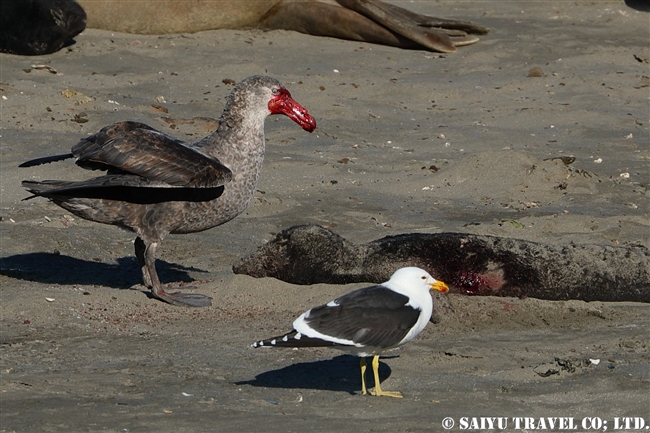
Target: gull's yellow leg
378, 391
363, 376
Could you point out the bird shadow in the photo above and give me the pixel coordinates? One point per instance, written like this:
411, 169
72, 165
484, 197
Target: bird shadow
51, 268
340, 373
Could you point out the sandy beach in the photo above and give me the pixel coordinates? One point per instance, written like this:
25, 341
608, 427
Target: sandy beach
407, 141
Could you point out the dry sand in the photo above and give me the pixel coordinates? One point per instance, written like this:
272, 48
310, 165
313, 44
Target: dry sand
84, 348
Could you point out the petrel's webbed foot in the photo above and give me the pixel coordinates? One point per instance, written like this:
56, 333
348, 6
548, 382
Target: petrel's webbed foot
183, 299
145, 252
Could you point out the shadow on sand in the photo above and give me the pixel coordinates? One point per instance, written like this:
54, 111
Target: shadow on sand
52, 268
340, 373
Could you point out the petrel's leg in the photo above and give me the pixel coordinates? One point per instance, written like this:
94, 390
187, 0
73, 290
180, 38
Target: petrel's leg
146, 254
140, 248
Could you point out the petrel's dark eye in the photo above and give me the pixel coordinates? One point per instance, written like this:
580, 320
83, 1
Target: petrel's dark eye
275, 91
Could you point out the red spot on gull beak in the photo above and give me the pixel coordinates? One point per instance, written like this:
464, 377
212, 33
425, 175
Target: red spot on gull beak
283, 103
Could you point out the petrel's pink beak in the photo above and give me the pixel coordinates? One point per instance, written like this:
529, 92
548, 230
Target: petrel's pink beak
284, 104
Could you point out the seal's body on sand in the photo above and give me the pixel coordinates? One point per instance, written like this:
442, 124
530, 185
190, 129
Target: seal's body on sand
361, 20
34, 27
156, 184
470, 264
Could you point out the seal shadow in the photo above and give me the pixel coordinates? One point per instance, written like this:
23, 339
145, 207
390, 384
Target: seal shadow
50, 268
340, 373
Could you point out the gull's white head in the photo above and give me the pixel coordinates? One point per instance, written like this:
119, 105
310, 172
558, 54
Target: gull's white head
416, 279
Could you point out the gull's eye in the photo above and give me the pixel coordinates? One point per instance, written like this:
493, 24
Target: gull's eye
423, 277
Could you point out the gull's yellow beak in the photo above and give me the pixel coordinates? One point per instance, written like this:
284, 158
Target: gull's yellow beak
439, 286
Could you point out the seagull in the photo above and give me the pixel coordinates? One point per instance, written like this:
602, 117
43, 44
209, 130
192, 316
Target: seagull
367, 321
156, 184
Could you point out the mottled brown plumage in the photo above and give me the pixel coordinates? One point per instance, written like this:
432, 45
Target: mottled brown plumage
155, 184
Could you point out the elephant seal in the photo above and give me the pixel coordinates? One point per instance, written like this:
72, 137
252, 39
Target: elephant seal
34, 27
360, 20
